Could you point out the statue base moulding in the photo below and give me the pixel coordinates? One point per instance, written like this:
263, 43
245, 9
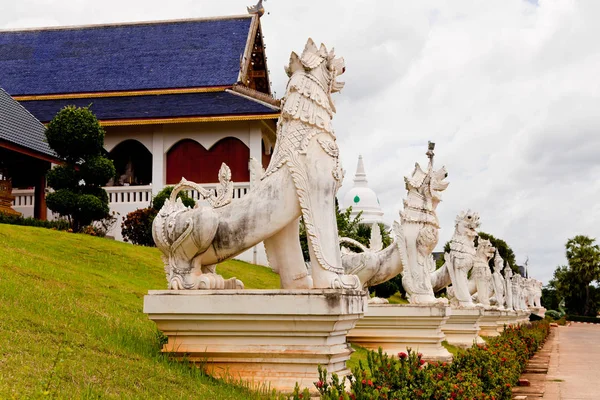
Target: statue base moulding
265, 337
504, 320
522, 317
488, 323
398, 327
539, 311
511, 317
462, 328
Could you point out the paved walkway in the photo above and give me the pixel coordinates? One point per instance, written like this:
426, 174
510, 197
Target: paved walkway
574, 370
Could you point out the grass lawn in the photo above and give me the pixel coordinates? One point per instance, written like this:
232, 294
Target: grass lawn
72, 325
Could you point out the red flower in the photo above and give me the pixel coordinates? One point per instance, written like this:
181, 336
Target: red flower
370, 382
319, 384
422, 362
419, 355
364, 381
402, 355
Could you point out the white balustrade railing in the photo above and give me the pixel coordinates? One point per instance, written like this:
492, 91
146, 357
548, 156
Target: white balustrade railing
23, 197
121, 199
129, 194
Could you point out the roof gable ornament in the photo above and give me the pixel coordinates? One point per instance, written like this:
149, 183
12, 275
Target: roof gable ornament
257, 9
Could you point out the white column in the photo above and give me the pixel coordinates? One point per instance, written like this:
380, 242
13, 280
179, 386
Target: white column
158, 161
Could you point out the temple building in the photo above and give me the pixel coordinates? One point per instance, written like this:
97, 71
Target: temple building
25, 157
176, 98
362, 198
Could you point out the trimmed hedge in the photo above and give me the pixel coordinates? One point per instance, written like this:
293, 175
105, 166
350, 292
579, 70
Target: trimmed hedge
481, 372
60, 225
581, 318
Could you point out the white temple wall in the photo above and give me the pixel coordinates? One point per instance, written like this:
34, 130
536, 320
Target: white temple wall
158, 139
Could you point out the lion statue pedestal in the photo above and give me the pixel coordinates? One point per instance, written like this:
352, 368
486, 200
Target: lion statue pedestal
264, 337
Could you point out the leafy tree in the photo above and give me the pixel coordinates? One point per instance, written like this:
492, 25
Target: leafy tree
77, 137
583, 256
353, 228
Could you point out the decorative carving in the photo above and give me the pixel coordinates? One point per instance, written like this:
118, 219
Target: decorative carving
6, 197
415, 237
301, 180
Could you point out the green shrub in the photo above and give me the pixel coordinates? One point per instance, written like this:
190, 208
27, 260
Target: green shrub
159, 200
581, 318
60, 225
481, 372
137, 227
77, 137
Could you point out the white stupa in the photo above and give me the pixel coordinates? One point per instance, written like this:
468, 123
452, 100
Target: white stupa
362, 198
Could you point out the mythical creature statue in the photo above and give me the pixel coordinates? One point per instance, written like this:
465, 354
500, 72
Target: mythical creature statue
498, 281
508, 286
517, 291
481, 282
537, 297
415, 237
460, 259
301, 180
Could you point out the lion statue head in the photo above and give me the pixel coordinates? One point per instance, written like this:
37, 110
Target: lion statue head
466, 224
485, 250
321, 66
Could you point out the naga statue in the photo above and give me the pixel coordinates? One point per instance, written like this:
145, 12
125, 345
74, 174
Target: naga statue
415, 237
508, 287
498, 280
460, 260
481, 277
302, 179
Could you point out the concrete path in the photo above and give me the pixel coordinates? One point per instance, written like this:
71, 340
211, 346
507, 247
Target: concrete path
574, 370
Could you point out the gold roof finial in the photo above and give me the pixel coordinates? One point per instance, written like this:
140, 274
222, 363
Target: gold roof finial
257, 9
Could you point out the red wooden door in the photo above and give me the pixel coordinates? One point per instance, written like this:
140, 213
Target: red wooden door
189, 159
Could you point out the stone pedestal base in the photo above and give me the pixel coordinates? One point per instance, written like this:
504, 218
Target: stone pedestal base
539, 311
398, 327
522, 317
270, 337
511, 317
462, 328
488, 323
503, 321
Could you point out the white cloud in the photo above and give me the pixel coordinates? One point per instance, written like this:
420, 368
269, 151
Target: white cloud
508, 89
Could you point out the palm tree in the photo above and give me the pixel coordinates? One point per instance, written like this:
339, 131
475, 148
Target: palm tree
583, 256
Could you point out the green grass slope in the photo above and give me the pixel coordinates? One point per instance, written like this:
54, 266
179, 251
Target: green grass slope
72, 326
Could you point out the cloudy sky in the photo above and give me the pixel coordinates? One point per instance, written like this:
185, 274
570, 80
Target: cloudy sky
508, 89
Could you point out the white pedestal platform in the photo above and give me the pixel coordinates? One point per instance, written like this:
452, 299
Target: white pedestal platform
511, 318
539, 311
488, 323
522, 317
397, 327
270, 337
462, 328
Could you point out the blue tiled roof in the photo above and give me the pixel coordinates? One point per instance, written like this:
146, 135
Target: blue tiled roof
20, 127
177, 54
154, 106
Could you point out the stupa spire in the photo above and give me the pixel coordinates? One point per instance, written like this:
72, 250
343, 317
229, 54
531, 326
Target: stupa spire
360, 178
